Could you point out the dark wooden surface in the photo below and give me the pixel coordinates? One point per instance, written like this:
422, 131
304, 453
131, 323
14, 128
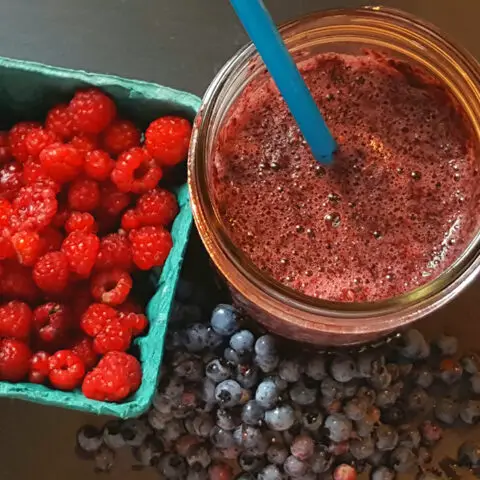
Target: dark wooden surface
181, 43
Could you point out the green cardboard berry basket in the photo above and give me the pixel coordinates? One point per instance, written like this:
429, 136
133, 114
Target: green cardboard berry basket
27, 91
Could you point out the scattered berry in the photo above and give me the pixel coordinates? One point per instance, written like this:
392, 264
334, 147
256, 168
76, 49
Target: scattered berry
51, 272
61, 162
157, 207
167, 140
98, 165
84, 195
135, 171
92, 111
59, 121
14, 360
96, 318
115, 337
150, 246
115, 252
81, 249
15, 320
119, 136
66, 370
39, 368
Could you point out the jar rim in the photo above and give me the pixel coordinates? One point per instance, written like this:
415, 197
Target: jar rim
223, 252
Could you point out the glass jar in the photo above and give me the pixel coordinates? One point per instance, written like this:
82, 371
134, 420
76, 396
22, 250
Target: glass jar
281, 309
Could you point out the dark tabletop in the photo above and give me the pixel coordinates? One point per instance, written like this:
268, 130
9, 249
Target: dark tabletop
180, 43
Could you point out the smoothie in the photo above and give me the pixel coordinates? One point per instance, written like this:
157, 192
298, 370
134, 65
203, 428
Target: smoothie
395, 209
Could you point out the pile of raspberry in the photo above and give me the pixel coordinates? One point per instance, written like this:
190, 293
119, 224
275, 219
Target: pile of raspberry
80, 212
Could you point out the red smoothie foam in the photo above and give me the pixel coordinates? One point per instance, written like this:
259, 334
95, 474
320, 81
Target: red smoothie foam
397, 207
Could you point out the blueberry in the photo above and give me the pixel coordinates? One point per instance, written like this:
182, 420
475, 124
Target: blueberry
424, 455
295, 467
415, 347
225, 320
446, 410
252, 413
475, 383
362, 448
228, 393
387, 397
431, 432
184, 290
267, 364
249, 463
208, 391
265, 346
270, 472
200, 425
450, 371
470, 412
112, 435
331, 389
198, 456
429, 476
321, 460
302, 447
350, 388
213, 339
174, 389
196, 473
423, 376
162, 404
339, 427
380, 379
172, 466
290, 370
158, 420
377, 459
312, 419
185, 314
316, 368
409, 436
447, 345
383, 473
135, 431
231, 355
281, 384
242, 341
227, 419
277, 454
367, 394
246, 436
173, 431
403, 460
221, 438
104, 460
148, 453
356, 408
471, 363
395, 415
190, 369
281, 418
469, 454
267, 394
303, 395
386, 438
218, 370
368, 363
89, 438
247, 375
195, 337
343, 368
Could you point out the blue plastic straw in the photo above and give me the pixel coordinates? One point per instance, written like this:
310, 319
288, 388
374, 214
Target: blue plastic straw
260, 27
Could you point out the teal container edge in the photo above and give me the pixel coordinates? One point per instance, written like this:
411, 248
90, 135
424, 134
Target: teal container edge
27, 90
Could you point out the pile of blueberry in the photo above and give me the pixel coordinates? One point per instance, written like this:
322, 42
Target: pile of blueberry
235, 402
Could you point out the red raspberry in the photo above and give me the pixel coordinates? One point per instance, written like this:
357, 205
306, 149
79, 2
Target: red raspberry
115, 337
84, 195
59, 121
51, 272
6, 247
92, 111
157, 207
83, 348
52, 322
80, 300
28, 247
39, 368
10, 180
81, 249
130, 220
37, 139
98, 165
61, 162
120, 136
167, 140
150, 246
116, 376
129, 306
345, 472
84, 143
34, 173
17, 136
96, 318
51, 240
63, 212
135, 171
137, 323
33, 207
220, 471
115, 251
111, 286
15, 320
16, 282
113, 202
66, 370
5, 152
14, 360
82, 221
